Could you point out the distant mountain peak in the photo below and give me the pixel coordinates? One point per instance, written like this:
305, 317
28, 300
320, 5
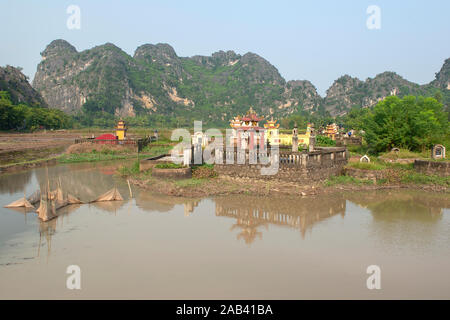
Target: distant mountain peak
216, 87
59, 46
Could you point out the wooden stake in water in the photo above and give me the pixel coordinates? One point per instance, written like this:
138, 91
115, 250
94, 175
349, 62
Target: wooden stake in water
129, 187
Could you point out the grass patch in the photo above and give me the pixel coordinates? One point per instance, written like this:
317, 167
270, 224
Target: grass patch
91, 157
169, 166
152, 151
367, 165
337, 180
420, 178
129, 171
186, 183
109, 154
405, 154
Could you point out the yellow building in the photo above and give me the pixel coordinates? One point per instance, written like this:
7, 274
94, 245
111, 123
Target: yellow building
332, 131
121, 130
285, 139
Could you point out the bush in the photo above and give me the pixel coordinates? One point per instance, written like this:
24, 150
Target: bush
414, 123
204, 171
169, 166
23, 117
324, 141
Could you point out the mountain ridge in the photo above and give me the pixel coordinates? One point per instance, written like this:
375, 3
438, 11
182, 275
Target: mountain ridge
155, 80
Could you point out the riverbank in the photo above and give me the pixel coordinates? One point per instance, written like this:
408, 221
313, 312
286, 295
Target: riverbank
79, 153
224, 185
23, 150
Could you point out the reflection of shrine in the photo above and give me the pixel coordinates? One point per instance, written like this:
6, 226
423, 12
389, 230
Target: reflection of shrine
149, 201
253, 212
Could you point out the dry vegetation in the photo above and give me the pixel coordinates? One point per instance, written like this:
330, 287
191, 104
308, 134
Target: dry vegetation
88, 147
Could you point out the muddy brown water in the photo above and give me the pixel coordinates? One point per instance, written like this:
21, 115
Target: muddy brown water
231, 247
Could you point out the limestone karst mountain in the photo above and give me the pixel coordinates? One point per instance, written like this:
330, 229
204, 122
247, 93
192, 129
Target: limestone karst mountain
16, 83
155, 80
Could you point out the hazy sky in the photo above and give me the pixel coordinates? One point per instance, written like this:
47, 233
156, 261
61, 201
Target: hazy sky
314, 40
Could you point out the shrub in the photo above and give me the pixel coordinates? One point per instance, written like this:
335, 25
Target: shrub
168, 166
324, 141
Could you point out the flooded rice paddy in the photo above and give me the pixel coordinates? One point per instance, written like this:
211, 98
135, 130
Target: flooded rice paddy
231, 247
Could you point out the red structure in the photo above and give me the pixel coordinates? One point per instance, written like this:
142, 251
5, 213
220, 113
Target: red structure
247, 127
106, 138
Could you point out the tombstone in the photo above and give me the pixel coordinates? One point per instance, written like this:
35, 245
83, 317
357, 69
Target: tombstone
295, 139
438, 152
187, 156
312, 142
364, 158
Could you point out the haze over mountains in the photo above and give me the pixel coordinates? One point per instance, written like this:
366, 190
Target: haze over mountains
155, 80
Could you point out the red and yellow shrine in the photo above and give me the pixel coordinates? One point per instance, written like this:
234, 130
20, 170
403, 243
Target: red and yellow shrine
246, 131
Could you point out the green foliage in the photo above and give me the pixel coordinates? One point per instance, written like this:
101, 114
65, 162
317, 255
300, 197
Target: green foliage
404, 154
302, 118
419, 178
169, 166
325, 141
90, 157
23, 117
129, 171
152, 150
186, 183
355, 118
414, 123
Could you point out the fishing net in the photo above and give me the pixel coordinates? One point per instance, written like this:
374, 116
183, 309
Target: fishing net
111, 195
23, 202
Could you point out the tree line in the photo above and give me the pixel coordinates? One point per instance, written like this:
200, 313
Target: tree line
24, 117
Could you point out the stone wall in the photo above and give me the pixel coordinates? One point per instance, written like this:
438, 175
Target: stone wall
373, 175
440, 168
349, 141
302, 167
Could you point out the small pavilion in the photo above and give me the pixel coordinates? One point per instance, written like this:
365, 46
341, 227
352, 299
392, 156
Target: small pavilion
247, 133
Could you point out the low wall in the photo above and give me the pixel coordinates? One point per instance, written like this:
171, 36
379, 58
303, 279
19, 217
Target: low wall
373, 175
302, 167
349, 141
440, 168
135, 144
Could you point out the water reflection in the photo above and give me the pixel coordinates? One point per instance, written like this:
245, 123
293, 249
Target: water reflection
14, 182
394, 214
150, 202
252, 213
393, 206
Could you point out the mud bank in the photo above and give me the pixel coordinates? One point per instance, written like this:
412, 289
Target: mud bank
227, 185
